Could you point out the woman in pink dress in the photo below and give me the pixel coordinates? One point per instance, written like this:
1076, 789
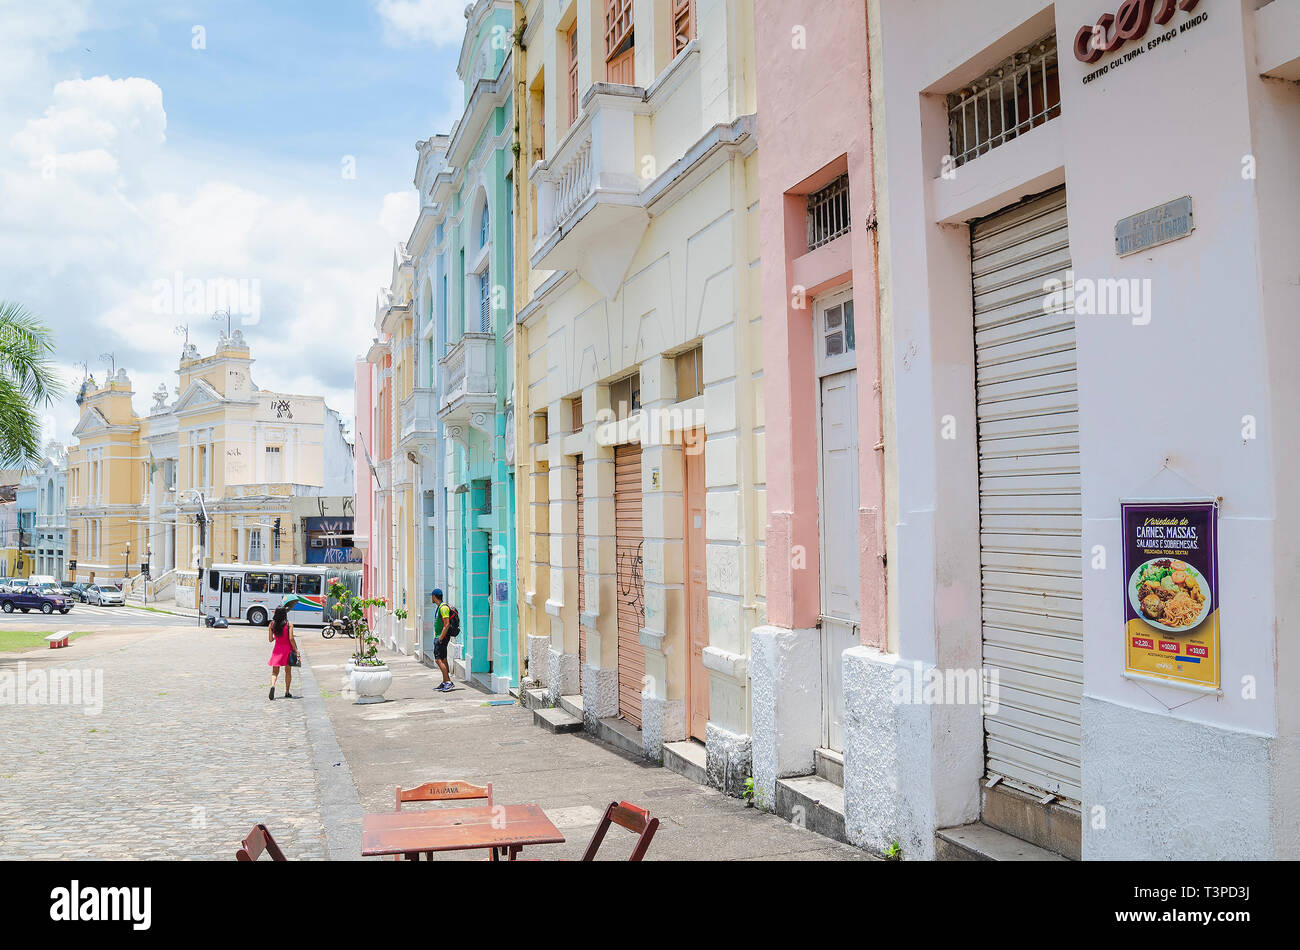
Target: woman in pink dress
280, 633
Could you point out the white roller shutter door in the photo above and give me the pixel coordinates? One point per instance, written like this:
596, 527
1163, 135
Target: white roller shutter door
1030, 511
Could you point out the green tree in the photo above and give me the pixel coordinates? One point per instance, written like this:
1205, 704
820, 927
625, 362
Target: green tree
28, 383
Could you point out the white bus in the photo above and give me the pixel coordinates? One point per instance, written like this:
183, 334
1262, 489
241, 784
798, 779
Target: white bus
252, 591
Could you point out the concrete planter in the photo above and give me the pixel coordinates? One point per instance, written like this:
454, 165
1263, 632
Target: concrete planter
371, 683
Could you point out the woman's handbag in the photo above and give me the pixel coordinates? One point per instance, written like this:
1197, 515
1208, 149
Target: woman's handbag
294, 659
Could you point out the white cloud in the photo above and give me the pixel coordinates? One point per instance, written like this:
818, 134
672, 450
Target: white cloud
397, 217
440, 22
87, 245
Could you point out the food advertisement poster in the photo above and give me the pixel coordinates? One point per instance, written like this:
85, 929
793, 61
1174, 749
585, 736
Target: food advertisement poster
1171, 590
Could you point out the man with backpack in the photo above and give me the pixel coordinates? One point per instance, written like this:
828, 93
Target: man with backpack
447, 622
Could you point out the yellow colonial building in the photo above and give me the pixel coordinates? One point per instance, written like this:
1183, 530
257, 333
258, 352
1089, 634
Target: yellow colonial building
266, 473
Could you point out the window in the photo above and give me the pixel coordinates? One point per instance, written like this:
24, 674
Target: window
619, 42
274, 467
273, 584
1017, 95
485, 301
255, 545
212, 580
683, 24
255, 583
837, 329
690, 373
275, 545
575, 413
287, 584
309, 583
828, 213
573, 72
483, 227
625, 396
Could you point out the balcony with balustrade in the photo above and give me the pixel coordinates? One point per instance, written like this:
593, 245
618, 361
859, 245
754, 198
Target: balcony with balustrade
590, 215
418, 418
469, 394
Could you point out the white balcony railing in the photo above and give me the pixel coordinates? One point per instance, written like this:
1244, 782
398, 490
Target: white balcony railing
419, 415
597, 160
469, 382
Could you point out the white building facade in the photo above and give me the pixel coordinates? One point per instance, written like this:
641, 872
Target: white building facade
1048, 360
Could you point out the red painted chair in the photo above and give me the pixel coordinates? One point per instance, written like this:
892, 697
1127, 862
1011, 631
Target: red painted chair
629, 816
443, 792
259, 840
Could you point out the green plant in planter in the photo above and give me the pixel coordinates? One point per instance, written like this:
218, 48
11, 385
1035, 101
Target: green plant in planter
349, 605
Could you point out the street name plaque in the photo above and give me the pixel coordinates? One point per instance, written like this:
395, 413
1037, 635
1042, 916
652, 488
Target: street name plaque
1155, 226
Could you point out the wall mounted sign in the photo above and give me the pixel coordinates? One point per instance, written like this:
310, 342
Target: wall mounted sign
1171, 590
1159, 225
1130, 24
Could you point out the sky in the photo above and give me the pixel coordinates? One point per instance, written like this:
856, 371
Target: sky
154, 155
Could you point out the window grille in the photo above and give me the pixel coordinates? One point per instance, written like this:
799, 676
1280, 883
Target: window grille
1019, 94
828, 213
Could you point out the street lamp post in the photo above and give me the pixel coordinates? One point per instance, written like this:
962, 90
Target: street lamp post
126, 567
202, 518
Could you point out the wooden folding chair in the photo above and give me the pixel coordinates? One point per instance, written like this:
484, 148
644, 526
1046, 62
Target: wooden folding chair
629, 816
444, 792
259, 840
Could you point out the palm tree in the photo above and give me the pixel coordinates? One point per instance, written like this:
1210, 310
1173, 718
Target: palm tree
28, 382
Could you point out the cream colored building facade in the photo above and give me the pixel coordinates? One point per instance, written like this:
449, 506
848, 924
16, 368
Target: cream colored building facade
139, 485
640, 446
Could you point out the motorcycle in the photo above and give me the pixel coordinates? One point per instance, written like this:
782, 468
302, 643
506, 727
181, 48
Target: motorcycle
341, 625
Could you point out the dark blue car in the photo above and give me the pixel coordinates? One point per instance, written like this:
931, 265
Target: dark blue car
34, 599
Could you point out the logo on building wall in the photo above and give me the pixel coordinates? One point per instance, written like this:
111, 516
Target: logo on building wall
1130, 23
281, 407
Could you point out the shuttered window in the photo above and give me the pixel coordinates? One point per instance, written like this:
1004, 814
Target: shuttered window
619, 41
1029, 497
573, 73
582, 570
683, 24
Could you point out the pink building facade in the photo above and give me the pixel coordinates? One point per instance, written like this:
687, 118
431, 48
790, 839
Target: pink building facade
821, 386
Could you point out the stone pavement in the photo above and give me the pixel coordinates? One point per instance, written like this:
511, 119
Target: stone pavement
186, 755
420, 735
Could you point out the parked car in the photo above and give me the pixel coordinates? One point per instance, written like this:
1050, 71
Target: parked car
34, 599
78, 591
105, 595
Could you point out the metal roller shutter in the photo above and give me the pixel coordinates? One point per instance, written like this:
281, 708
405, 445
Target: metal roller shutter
582, 573
628, 541
1030, 510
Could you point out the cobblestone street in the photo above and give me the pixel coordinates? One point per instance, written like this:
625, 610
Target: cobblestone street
186, 755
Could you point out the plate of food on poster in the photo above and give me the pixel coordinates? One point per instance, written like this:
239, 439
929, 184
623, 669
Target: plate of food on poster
1170, 594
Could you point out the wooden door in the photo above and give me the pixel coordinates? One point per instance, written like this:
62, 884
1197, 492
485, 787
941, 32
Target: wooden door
630, 581
697, 589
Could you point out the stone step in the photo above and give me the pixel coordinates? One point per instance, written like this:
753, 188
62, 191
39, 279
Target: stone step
979, 842
621, 734
535, 698
829, 764
688, 759
572, 705
556, 720
813, 803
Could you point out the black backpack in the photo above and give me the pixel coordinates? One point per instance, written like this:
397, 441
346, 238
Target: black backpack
453, 621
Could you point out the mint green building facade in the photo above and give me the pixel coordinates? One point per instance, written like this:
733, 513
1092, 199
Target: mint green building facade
464, 284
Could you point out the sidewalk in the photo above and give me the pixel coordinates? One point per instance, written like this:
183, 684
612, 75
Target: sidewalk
420, 735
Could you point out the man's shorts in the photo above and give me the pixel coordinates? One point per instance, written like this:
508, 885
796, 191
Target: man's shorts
440, 648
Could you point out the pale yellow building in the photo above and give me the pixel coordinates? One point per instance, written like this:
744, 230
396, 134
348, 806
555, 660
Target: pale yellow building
222, 449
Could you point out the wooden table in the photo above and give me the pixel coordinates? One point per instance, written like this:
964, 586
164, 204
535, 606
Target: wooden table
505, 829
